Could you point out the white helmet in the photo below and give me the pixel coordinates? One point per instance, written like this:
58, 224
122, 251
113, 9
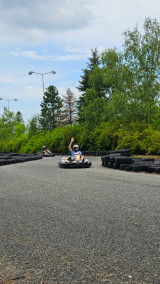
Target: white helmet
75, 148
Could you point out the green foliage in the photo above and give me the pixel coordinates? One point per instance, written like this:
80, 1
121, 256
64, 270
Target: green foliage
94, 112
107, 137
128, 82
11, 125
34, 125
50, 107
14, 145
19, 117
142, 57
19, 130
117, 75
84, 83
6, 125
141, 138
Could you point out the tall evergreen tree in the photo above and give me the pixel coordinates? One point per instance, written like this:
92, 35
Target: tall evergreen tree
84, 84
50, 107
19, 117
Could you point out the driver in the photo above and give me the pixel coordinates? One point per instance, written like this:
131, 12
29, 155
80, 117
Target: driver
75, 150
46, 151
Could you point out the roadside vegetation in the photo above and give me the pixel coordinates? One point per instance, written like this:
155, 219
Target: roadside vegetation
118, 106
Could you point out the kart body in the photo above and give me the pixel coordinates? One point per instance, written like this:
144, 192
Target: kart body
47, 153
67, 162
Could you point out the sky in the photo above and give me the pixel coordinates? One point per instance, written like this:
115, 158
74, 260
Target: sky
58, 35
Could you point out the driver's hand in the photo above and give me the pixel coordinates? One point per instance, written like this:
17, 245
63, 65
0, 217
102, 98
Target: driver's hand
72, 139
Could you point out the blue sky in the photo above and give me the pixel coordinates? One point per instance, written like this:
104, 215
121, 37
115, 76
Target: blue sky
58, 35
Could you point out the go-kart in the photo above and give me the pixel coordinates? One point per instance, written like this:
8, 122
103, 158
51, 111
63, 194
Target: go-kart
48, 154
68, 162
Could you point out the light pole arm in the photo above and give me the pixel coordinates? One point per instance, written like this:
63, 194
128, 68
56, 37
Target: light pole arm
42, 74
8, 101
43, 83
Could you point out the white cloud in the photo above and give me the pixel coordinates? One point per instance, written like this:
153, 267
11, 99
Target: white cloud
33, 55
35, 18
76, 23
6, 80
33, 92
66, 57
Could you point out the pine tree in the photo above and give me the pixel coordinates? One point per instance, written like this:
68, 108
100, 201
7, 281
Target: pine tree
84, 84
50, 107
19, 117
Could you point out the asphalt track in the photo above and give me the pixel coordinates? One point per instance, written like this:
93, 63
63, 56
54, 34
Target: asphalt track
94, 225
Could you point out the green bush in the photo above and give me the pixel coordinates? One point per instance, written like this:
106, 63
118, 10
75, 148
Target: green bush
140, 138
14, 145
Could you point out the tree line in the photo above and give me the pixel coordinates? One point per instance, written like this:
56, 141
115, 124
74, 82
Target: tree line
118, 104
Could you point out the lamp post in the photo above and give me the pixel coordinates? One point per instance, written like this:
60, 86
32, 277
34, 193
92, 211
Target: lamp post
8, 101
42, 74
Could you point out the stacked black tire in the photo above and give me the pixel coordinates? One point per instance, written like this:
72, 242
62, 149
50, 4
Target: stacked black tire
12, 158
121, 160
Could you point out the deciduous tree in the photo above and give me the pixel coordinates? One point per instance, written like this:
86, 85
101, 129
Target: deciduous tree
142, 55
34, 125
67, 114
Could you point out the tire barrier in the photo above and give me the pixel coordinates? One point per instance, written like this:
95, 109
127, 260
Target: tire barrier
124, 152
12, 158
123, 160
153, 168
123, 166
118, 160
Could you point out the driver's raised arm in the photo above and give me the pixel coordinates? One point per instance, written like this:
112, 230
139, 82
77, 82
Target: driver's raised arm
70, 144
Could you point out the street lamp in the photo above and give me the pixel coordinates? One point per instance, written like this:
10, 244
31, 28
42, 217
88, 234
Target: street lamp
42, 74
8, 101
